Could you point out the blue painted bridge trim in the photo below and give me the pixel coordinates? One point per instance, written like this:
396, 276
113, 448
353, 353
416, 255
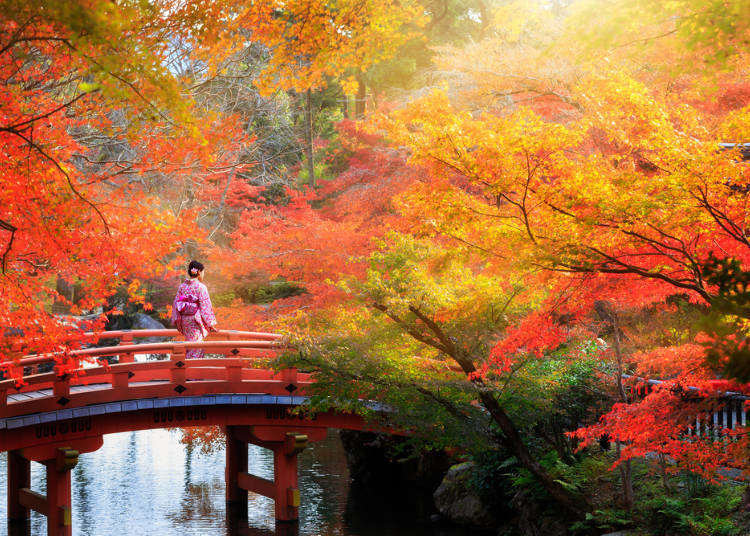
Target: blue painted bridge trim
109, 408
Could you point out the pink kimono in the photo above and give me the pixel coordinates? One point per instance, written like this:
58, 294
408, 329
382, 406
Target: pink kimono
192, 313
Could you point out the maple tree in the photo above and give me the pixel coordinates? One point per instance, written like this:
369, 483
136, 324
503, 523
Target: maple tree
313, 42
593, 183
345, 238
676, 35
314, 238
100, 199
66, 210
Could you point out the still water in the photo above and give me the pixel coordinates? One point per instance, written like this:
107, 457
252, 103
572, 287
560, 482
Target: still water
148, 483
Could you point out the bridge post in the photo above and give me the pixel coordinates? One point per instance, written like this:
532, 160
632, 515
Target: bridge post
178, 367
19, 477
61, 387
58, 461
286, 445
59, 517
236, 463
289, 375
285, 479
126, 339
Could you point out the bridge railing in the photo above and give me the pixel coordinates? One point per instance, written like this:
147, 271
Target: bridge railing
71, 385
127, 347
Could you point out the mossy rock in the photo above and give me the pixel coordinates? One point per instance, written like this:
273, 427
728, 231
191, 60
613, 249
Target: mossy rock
459, 502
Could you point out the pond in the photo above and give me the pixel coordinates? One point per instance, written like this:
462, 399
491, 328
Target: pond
148, 483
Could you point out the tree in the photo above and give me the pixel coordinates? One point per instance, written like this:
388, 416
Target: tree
415, 339
592, 191
103, 199
66, 215
316, 238
613, 188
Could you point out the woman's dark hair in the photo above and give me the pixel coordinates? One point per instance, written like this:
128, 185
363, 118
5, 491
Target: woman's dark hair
193, 268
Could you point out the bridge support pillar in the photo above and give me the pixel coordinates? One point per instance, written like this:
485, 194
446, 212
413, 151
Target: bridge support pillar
286, 445
19, 477
59, 522
286, 479
58, 459
236, 464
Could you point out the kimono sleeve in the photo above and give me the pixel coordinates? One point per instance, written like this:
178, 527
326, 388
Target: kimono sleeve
175, 314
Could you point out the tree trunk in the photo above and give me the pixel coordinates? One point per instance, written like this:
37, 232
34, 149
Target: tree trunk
626, 474
346, 107
511, 438
513, 442
309, 140
663, 470
607, 313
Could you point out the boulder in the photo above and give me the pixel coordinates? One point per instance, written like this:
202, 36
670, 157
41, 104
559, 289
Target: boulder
533, 518
143, 321
459, 502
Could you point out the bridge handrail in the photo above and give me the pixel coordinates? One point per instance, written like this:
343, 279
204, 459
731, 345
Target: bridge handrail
235, 372
90, 374
224, 333
149, 348
131, 382
654, 382
228, 339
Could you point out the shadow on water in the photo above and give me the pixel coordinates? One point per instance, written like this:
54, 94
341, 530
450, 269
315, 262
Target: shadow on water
148, 483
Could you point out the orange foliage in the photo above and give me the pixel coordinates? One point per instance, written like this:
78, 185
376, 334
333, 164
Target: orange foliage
319, 237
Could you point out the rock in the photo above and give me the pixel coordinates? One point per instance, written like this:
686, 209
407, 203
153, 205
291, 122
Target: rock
745, 503
457, 501
143, 321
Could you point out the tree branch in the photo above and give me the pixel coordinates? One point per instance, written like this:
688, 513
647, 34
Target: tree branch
12, 229
54, 162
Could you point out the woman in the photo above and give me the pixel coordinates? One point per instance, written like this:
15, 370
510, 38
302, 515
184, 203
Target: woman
192, 313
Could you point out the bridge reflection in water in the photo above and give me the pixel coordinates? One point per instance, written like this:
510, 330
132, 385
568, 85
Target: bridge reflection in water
53, 417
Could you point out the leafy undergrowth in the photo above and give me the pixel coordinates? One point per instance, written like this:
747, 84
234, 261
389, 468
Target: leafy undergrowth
680, 505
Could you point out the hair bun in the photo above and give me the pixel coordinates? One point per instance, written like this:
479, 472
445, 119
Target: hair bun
194, 268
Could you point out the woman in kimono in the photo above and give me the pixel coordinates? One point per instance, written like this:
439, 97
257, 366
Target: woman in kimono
192, 313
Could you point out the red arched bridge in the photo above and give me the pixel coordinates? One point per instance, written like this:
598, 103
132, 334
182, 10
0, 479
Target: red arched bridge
51, 418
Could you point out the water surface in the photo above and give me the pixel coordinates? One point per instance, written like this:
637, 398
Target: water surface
147, 483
